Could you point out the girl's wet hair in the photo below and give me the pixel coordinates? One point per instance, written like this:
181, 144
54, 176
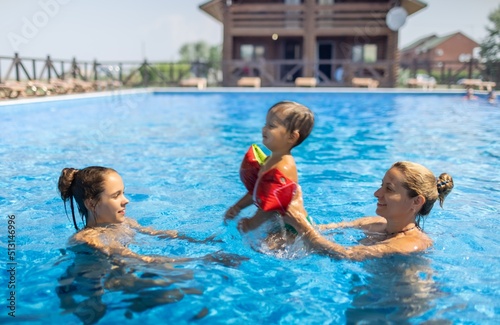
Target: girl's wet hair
421, 181
81, 185
297, 118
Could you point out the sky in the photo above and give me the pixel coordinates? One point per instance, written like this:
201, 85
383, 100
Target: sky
131, 30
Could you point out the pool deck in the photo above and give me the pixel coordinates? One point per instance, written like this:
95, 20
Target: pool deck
153, 90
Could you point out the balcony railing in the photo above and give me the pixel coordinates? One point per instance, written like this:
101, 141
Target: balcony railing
285, 16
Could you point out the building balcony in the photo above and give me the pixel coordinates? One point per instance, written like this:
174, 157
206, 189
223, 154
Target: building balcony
295, 20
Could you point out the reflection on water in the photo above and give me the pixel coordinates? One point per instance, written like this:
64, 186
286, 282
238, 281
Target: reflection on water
92, 274
393, 290
87, 286
181, 167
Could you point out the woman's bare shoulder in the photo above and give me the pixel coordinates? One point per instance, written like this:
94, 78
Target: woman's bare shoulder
409, 243
132, 223
83, 236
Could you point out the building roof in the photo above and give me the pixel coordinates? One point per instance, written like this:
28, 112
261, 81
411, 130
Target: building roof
412, 6
215, 8
429, 42
419, 42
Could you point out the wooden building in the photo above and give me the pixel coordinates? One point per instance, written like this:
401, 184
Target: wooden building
332, 41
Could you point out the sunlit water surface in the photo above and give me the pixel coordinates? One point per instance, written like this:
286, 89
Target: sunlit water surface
179, 155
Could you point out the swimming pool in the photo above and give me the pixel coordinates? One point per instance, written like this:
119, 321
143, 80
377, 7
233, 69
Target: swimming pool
179, 154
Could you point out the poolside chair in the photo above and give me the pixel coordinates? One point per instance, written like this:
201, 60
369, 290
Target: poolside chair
249, 82
4, 91
15, 89
305, 82
477, 83
424, 81
365, 82
487, 85
200, 83
82, 85
40, 88
61, 86
470, 83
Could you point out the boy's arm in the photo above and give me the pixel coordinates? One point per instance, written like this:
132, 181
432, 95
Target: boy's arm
242, 203
247, 224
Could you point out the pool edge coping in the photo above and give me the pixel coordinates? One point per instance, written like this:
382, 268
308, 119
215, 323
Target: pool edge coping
161, 90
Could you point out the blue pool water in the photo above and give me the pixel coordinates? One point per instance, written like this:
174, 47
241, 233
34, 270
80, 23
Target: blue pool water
179, 155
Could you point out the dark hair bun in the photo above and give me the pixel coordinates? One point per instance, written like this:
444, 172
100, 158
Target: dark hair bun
65, 180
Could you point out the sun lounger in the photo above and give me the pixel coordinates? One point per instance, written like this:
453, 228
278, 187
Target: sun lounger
200, 83
425, 84
477, 83
15, 89
488, 85
62, 86
468, 83
364, 82
5, 91
73, 85
305, 82
249, 82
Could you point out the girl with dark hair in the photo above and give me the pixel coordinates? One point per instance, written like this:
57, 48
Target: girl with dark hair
99, 194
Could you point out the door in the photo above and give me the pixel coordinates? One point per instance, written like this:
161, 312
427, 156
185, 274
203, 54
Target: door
292, 51
325, 56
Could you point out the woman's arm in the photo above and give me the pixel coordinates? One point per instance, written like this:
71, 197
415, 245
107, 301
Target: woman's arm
151, 231
324, 246
372, 224
166, 233
114, 248
295, 216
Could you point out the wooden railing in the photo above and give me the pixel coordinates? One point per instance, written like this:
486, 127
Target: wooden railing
129, 73
266, 16
271, 72
449, 72
285, 16
327, 72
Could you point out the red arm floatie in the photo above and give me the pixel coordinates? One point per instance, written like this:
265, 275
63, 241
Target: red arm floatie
274, 191
250, 166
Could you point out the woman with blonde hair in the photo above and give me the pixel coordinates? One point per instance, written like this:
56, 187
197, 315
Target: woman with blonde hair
407, 194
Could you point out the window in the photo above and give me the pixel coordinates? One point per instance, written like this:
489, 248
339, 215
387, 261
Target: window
364, 53
251, 52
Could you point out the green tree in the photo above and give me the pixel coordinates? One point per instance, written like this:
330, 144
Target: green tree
205, 59
490, 47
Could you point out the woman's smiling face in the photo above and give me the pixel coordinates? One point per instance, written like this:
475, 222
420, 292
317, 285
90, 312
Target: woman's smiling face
393, 199
112, 201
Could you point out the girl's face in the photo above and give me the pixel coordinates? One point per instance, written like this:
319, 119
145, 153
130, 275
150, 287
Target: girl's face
393, 200
274, 134
112, 201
